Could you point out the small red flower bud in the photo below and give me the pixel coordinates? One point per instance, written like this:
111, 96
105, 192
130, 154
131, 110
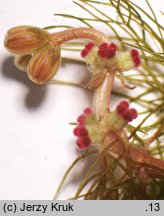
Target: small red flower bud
113, 47
103, 46
81, 119
102, 50
82, 131
135, 57
127, 117
124, 103
102, 53
107, 51
133, 112
137, 61
84, 52
87, 111
83, 142
122, 107
111, 51
130, 114
89, 46
134, 53
76, 131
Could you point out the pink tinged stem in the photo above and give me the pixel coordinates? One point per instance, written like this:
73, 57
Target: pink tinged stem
140, 156
135, 154
101, 98
78, 33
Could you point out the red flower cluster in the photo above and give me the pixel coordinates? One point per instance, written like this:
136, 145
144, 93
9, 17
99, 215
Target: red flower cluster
86, 49
126, 113
81, 132
107, 50
135, 57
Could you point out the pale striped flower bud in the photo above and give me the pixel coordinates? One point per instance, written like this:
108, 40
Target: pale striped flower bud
24, 39
44, 64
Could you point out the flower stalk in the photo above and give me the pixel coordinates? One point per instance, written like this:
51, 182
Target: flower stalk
101, 97
78, 33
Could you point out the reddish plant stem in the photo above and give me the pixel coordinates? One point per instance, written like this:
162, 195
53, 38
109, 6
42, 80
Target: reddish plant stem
78, 33
139, 156
101, 98
134, 154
